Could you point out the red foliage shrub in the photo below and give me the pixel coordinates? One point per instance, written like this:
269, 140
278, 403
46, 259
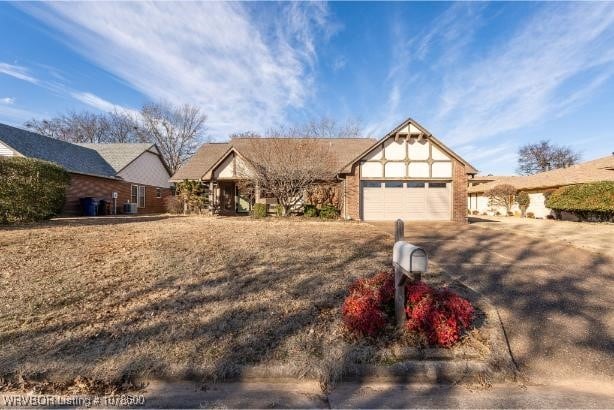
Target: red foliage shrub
362, 313
439, 315
364, 309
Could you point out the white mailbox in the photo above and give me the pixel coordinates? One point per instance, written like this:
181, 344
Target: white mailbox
410, 258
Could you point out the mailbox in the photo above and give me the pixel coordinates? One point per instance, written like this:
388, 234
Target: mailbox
410, 258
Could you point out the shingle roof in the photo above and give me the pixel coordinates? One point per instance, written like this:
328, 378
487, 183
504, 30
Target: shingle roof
487, 177
119, 155
345, 149
72, 157
207, 155
599, 169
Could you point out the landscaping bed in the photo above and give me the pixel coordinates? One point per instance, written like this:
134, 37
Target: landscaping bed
110, 302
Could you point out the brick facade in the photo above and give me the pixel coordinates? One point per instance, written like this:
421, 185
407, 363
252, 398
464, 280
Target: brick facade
352, 194
103, 188
459, 192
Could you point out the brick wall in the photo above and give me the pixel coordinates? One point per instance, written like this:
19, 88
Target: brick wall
103, 188
352, 194
459, 194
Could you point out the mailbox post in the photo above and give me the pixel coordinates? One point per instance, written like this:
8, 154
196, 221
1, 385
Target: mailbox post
408, 261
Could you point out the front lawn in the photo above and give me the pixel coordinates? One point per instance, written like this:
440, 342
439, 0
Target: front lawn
178, 297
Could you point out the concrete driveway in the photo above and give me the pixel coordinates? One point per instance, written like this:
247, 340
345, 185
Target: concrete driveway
595, 237
555, 301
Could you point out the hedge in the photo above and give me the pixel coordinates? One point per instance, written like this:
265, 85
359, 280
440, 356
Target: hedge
30, 190
586, 200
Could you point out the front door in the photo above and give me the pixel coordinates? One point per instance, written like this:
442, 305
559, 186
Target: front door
227, 197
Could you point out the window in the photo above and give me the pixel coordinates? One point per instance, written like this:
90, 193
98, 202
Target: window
134, 195
141, 196
415, 184
137, 195
158, 193
393, 184
371, 184
437, 184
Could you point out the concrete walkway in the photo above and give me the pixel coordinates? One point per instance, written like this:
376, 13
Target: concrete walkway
555, 300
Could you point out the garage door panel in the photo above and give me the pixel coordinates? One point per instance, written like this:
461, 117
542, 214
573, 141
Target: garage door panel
438, 200
410, 201
376, 208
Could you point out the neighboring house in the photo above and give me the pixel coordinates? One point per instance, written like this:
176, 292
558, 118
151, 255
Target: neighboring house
539, 185
136, 172
472, 200
408, 174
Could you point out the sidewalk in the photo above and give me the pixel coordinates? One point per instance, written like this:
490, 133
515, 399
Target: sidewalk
354, 395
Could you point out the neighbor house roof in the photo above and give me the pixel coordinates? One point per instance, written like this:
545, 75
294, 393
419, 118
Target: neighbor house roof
121, 155
72, 157
600, 169
487, 178
344, 149
104, 160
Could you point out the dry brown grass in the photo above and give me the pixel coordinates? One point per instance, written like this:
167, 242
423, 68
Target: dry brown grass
179, 297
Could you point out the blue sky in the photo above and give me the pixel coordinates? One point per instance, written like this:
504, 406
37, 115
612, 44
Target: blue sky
485, 78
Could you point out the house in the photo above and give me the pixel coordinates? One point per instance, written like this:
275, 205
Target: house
538, 186
407, 174
136, 172
472, 200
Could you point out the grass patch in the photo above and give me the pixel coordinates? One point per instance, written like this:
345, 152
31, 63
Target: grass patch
182, 297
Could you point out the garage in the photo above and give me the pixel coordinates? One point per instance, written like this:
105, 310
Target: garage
408, 200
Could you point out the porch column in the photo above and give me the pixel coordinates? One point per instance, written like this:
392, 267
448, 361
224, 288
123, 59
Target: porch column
211, 197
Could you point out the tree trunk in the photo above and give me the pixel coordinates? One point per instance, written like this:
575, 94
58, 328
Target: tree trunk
286, 210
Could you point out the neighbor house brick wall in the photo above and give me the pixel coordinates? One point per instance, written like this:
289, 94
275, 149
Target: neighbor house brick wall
459, 194
103, 188
352, 194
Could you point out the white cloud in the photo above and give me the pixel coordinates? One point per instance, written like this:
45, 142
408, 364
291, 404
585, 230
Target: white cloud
532, 75
100, 103
7, 100
339, 63
16, 116
245, 72
19, 72
545, 67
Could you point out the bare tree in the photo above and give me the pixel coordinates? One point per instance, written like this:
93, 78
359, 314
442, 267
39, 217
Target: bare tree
176, 130
502, 195
73, 127
543, 156
123, 127
323, 127
287, 168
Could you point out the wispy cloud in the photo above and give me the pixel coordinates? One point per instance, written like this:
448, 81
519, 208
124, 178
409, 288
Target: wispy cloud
339, 63
243, 71
7, 100
532, 75
16, 116
550, 63
17, 71
100, 103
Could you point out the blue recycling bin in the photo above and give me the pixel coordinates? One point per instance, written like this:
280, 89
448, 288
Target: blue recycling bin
89, 206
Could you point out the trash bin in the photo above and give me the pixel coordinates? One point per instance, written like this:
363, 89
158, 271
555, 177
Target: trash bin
103, 207
89, 206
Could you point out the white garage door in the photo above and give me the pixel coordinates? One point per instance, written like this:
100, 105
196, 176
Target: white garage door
411, 200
